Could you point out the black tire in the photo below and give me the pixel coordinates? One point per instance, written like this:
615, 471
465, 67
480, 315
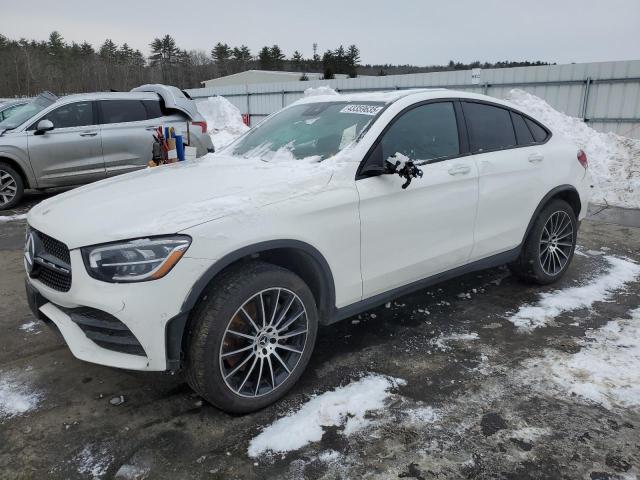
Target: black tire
219, 307
529, 265
7, 171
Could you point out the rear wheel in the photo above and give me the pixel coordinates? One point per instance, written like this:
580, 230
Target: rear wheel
11, 187
548, 249
251, 337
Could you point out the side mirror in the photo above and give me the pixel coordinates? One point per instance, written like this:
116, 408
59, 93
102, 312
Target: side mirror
43, 126
375, 164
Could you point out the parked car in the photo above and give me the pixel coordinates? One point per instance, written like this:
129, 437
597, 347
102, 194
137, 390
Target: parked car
77, 139
9, 107
224, 267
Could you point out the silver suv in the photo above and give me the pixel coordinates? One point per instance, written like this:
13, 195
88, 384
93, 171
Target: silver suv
77, 139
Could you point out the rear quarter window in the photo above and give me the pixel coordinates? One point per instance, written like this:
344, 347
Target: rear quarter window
539, 133
490, 127
523, 134
153, 108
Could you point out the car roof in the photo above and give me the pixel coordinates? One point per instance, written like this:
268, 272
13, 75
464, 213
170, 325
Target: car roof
78, 97
395, 95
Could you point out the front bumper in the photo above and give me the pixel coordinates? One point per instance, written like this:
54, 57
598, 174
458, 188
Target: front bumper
118, 325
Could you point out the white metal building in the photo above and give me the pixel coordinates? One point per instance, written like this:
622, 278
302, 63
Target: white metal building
251, 77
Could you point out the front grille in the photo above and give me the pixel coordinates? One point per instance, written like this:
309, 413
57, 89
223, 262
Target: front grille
55, 247
105, 330
49, 254
54, 279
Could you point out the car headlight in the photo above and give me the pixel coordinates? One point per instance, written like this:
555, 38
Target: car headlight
135, 260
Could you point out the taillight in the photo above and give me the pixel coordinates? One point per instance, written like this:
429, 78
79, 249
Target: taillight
202, 125
582, 158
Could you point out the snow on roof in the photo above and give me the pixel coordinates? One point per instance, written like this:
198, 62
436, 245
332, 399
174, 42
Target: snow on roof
385, 96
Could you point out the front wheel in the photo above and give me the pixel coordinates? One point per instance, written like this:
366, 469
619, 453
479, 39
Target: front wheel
11, 187
251, 337
549, 246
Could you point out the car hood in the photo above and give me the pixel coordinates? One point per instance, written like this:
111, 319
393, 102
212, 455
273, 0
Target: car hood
172, 198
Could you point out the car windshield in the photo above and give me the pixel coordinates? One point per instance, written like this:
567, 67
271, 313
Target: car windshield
309, 131
25, 112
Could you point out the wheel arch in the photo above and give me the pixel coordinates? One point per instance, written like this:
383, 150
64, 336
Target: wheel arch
568, 193
15, 164
299, 257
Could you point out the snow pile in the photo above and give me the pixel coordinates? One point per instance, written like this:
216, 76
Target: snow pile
552, 304
344, 406
605, 371
13, 218
614, 161
16, 396
319, 91
224, 120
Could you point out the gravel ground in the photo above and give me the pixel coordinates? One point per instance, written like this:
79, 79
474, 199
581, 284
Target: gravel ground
474, 401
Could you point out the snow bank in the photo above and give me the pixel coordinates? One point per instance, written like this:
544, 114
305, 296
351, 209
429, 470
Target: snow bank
224, 120
344, 406
12, 218
605, 371
552, 304
614, 161
17, 397
317, 91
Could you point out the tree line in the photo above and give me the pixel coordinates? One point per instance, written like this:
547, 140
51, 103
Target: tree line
30, 66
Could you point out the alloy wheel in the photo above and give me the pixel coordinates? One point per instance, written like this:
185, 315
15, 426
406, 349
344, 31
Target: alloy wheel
556, 242
263, 342
8, 187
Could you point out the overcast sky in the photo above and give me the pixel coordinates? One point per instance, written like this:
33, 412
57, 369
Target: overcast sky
420, 32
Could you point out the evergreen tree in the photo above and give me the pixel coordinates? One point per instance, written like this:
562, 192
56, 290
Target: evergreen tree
108, 50
277, 57
221, 54
353, 60
296, 61
264, 57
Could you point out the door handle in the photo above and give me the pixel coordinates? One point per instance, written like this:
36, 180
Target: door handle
88, 134
536, 157
459, 170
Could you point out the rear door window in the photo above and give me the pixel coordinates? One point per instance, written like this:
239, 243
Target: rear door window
122, 111
539, 133
427, 132
523, 134
489, 127
79, 114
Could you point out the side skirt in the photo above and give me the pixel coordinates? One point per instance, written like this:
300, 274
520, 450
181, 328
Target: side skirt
382, 298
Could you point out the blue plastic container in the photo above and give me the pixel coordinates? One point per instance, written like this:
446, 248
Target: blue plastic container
180, 147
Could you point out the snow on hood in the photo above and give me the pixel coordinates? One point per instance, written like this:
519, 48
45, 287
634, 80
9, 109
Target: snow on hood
169, 199
224, 120
614, 161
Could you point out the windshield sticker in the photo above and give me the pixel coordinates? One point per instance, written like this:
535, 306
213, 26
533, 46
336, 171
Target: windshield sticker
361, 109
348, 136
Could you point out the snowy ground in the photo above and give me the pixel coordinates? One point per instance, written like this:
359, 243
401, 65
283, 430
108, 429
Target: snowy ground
445, 383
